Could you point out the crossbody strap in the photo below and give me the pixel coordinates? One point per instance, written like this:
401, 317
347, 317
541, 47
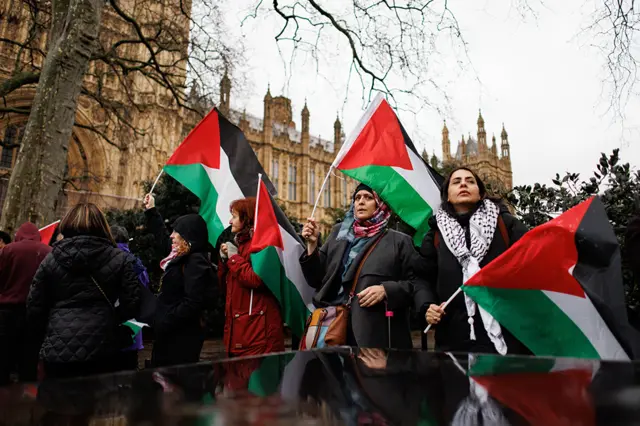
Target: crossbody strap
359, 270
103, 293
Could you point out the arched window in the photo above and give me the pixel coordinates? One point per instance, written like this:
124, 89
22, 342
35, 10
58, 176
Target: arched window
12, 136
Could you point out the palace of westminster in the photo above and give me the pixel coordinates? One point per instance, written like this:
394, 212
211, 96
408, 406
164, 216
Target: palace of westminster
296, 161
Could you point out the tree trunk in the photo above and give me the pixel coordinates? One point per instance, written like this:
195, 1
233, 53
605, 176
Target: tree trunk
38, 175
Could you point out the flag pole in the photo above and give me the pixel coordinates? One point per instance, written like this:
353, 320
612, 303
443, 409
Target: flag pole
444, 306
255, 224
324, 184
156, 181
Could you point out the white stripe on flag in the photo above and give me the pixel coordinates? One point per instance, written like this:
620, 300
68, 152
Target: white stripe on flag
291, 262
421, 180
582, 312
226, 186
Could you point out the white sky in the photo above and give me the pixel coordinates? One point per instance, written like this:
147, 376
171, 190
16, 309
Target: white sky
538, 76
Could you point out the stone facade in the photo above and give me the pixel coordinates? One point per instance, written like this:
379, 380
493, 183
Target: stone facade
110, 176
491, 163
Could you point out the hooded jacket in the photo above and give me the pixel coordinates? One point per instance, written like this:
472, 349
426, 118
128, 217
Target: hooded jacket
19, 262
183, 291
66, 307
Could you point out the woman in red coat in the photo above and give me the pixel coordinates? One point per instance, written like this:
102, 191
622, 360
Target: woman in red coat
253, 322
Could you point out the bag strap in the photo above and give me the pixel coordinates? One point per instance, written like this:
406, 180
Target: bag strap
103, 293
361, 265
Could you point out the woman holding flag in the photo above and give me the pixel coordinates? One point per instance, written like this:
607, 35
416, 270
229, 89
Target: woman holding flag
253, 321
467, 232
188, 273
367, 267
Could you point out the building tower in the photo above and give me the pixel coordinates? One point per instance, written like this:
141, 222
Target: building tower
506, 155
482, 134
337, 135
446, 144
225, 94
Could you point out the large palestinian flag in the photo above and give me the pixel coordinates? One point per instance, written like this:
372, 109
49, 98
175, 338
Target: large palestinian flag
275, 254
218, 165
380, 154
559, 288
543, 391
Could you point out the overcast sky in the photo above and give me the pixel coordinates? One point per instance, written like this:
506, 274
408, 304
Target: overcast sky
538, 76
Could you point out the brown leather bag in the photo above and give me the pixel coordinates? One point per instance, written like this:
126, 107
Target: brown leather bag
333, 318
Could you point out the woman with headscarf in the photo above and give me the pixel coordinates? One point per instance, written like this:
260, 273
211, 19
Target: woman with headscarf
253, 321
467, 232
188, 274
379, 313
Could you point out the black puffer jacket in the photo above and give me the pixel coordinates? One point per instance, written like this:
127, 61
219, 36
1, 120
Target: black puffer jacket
67, 310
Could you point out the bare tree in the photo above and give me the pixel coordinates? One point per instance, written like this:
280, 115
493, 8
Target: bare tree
68, 55
394, 45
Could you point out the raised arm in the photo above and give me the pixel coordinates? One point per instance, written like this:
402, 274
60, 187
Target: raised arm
155, 224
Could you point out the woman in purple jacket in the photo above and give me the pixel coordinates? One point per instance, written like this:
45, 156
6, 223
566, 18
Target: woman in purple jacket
129, 356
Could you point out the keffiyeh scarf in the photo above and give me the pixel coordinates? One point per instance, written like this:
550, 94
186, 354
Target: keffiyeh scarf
482, 226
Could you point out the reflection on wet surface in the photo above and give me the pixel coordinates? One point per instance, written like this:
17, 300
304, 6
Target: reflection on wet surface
345, 387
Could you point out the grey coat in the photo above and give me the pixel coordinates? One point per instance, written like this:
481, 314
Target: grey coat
392, 264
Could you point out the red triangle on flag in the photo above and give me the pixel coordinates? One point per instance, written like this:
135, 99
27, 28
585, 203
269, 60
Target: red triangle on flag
47, 232
380, 143
266, 231
202, 144
543, 259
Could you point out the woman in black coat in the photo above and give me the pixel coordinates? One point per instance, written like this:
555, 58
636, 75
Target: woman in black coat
469, 229
72, 305
386, 281
188, 275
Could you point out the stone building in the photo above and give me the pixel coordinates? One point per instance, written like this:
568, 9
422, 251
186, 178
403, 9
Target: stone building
492, 163
296, 161
112, 174
108, 174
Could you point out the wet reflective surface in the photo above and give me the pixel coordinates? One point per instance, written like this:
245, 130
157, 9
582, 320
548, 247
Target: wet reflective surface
342, 387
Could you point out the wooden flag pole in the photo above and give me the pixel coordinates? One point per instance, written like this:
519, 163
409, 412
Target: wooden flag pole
324, 184
156, 181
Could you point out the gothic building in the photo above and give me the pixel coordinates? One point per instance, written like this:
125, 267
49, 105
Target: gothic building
490, 162
296, 161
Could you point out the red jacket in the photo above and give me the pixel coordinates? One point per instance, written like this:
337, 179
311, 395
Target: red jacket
19, 262
244, 334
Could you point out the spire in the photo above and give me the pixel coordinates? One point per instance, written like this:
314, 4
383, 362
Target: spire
480, 119
268, 97
337, 132
305, 118
225, 93
445, 130
504, 147
494, 147
446, 144
504, 133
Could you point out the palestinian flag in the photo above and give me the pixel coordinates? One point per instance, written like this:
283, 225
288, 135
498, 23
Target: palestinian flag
275, 253
47, 232
543, 391
218, 165
380, 154
559, 288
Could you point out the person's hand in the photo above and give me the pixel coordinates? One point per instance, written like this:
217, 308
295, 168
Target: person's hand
310, 233
224, 250
371, 296
375, 359
434, 314
232, 250
149, 201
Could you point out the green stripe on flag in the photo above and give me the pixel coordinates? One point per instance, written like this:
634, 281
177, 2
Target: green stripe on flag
195, 178
265, 380
267, 265
403, 199
491, 365
535, 320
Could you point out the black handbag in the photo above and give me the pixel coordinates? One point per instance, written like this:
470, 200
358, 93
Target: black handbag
122, 335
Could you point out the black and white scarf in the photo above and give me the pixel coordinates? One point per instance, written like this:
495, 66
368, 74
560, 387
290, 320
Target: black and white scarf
482, 226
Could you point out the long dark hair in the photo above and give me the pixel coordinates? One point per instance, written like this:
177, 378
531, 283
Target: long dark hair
444, 191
